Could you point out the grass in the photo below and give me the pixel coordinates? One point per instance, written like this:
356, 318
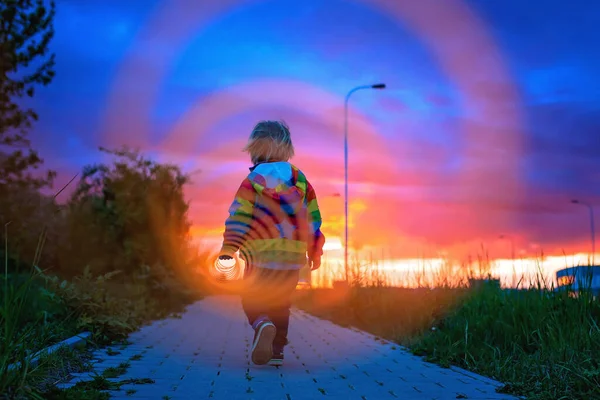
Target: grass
97, 388
41, 378
92, 390
112, 352
113, 372
40, 311
26, 328
542, 344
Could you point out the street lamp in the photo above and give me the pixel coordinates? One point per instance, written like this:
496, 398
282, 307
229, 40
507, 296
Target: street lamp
375, 86
589, 206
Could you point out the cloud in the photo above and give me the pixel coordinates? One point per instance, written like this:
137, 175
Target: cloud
563, 151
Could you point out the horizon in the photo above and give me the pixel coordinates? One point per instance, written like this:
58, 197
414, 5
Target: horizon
524, 271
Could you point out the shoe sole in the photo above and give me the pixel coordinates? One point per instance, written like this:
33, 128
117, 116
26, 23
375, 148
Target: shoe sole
262, 351
276, 363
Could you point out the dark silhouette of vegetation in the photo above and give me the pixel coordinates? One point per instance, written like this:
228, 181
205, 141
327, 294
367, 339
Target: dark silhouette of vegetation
26, 29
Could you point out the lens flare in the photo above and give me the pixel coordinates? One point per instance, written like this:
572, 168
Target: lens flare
226, 270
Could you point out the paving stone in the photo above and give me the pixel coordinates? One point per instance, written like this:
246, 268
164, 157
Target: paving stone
206, 354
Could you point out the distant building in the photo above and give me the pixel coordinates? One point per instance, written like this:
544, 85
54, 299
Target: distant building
579, 278
476, 283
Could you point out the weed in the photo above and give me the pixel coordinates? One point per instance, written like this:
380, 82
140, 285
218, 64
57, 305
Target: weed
77, 393
113, 372
98, 382
111, 352
137, 381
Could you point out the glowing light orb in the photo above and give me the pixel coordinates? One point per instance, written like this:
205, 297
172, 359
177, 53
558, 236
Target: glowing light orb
226, 270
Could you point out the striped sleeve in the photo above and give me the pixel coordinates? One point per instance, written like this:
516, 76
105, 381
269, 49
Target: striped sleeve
316, 237
237, 225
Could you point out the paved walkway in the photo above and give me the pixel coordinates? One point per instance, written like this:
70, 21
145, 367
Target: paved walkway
205, 354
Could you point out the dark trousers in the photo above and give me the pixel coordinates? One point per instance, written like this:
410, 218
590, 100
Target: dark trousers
268, 293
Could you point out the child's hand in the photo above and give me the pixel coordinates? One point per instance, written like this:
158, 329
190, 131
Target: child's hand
315, 263
225, 257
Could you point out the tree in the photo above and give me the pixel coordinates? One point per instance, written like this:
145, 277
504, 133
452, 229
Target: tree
26, 29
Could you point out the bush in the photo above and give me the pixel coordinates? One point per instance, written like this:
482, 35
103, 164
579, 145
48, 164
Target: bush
129, 216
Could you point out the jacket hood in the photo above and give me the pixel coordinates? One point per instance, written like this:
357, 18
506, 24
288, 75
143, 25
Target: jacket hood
278, 181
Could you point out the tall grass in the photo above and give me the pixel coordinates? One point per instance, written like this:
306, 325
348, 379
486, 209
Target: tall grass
22, 330
542, 343
376, 272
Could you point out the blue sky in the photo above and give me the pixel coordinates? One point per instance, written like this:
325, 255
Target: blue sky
447, 138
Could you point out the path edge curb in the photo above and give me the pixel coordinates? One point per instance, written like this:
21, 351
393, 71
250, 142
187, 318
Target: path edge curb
71, 342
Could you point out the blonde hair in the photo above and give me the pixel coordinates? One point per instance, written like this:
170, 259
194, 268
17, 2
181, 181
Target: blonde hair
270, 141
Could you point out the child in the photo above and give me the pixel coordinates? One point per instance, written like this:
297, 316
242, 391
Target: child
275, 223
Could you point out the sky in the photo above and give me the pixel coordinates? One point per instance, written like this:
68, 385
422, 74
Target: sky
489, 124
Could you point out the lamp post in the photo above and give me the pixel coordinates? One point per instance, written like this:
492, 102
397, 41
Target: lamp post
375, 86
589, 206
